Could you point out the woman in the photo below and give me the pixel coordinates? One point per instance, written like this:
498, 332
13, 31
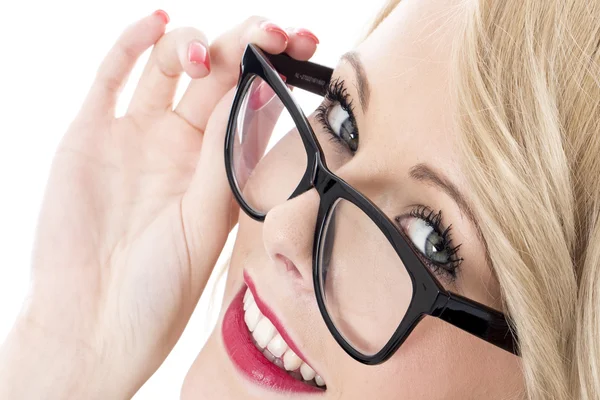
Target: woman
462, 137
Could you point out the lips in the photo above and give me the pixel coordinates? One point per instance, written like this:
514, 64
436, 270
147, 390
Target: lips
268, 357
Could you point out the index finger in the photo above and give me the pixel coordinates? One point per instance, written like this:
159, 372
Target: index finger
202, 95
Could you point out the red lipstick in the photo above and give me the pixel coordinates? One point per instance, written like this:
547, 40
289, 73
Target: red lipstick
267, 312
247, 357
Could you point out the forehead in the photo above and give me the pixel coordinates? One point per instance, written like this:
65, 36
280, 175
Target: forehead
407, 61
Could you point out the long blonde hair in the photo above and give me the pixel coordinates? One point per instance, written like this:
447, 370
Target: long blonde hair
526, 76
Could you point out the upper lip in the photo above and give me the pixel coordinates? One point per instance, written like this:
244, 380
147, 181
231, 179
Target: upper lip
270, 314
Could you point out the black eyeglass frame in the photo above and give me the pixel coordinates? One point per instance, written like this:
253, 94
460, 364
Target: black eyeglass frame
429, 296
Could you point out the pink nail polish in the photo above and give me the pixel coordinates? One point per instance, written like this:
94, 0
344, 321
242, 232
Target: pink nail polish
197, 54
271, 27
162, 14
306, 33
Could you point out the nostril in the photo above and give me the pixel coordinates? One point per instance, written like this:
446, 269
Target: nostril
289, 265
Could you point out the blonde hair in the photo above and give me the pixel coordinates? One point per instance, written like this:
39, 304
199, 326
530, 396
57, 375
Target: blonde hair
526, 77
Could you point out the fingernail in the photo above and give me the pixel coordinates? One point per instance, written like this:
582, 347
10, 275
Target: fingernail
306, 33
197, 54
162, 14
271, 27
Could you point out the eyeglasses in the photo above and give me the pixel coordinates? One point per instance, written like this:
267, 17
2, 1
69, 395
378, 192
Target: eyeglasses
372, 287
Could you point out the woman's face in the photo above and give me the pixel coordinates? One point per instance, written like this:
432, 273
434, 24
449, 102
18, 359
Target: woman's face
406, 160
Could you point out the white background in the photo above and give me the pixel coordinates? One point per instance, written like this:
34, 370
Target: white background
49, 52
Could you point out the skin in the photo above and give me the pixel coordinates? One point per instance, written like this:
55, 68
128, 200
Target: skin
409, 93
133, 218
138, 208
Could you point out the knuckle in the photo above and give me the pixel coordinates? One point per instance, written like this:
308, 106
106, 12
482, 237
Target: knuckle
166, 68
111, 83
193, 32
108, 80
254, 20
186, 34
168, 48
178, 32
244, 31
168, 38
168, 63
126, 50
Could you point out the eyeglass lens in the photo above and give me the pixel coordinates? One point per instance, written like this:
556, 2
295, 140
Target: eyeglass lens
366, 287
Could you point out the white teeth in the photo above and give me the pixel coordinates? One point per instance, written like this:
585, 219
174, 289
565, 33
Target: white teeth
264, 332
248, 299
319, 380
291, 361
247, 304
271, 343
277, 346
307, 372
252, 316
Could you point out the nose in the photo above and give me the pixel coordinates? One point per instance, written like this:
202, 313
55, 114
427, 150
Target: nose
288, 235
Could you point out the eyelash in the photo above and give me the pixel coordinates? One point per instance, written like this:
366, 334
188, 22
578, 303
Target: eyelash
336, 92
447, 270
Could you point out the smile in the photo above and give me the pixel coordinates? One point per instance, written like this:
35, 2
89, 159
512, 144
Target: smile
262, 350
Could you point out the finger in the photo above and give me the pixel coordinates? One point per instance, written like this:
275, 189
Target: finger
302, 45
226, 53
208, 206
183, 49
120, 60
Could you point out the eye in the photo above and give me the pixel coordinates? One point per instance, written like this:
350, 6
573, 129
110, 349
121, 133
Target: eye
342, 126
423, 227
337, 117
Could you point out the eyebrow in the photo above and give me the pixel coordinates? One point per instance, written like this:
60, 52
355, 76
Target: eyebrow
363, 88
424, 173
420, 172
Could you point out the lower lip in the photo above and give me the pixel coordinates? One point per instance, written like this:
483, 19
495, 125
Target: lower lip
248, 359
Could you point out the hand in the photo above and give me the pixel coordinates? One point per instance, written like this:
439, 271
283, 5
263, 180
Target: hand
136, 212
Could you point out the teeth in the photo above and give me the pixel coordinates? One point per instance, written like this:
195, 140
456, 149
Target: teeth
248, 303
277, 346
252, 316
272, 345
264, 332
319, 380
307, 372
291, 361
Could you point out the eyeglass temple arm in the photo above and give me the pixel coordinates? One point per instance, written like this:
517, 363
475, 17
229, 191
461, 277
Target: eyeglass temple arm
479, 320
302, 74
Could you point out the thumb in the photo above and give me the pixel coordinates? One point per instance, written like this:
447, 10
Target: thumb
208, 208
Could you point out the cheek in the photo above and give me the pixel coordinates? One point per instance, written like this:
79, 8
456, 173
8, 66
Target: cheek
437, 361
367, 289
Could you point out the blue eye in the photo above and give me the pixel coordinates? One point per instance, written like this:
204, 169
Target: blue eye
423, 227
337, 117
